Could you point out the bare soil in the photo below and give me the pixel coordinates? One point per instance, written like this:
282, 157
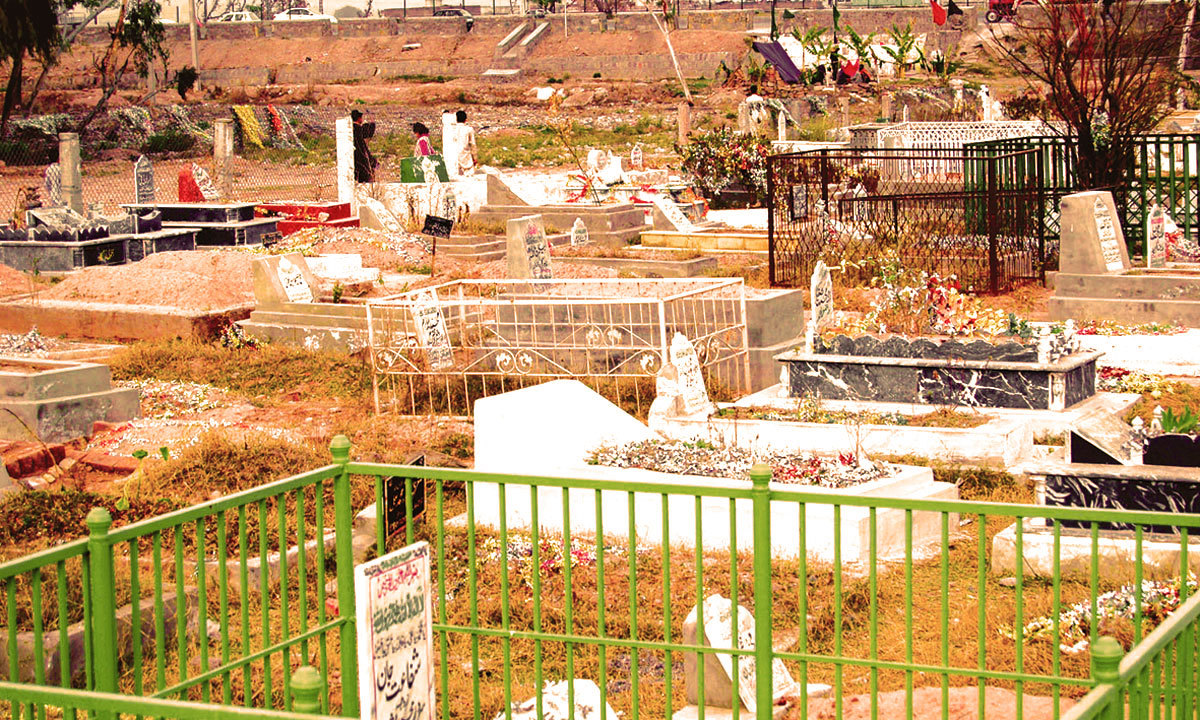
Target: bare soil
200, 280
12, 282
1001, 704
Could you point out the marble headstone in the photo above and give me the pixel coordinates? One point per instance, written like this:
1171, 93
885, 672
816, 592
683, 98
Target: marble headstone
556, 703
1156, 238
579, 233
692, 392
673, 214
636, 161
1092, 242
821, 297
431, 330
283, 279
53, 185
143, 181
719, 632
205, 183
527, 249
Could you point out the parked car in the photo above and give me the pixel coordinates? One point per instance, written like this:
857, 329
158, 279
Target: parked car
238, 16
452, 12
302, 13
536, 12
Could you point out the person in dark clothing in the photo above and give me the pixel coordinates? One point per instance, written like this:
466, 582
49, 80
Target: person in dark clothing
364, 162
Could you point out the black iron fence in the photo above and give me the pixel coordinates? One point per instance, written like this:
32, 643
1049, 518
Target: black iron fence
1162, 168
979, 218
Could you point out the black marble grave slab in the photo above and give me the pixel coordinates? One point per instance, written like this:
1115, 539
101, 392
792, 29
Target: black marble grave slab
926, 348
197, 212
1166, 493
139, 246
1174, 449
942, 381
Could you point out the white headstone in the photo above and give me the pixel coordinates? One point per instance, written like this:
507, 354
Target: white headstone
1106, 231
718, 631
205, 183
556, 703
821, 297
343, 133
579, 233
673, 214
395, 635
692, 391
143, 181
636, 161
53, 185
1156, 237
431, 330
527, 249
985, 103
295, 287
904, 115
596, 160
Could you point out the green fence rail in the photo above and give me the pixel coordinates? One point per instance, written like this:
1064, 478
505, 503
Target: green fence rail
541, 579
1162, 168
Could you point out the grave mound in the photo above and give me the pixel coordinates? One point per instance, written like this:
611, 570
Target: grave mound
200, 280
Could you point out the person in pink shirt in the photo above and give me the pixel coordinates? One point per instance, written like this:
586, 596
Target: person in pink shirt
423, 147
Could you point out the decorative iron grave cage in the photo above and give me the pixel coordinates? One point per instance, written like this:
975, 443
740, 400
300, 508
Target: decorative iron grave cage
503, 335
979, 218
1162, 168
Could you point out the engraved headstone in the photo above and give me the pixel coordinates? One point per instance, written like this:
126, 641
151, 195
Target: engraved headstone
719, 632
527, 249
821, 297
283, 279
800, 205
53, 185
579, 233
395, 635
431, 330
1156, 238
295, 287
673, 214
636, 160
205, 183
143, 181
692, 392
1092, 242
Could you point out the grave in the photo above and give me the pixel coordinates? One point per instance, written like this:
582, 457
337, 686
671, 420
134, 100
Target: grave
215, 224
282, 279
59, 400
610, 225
1096, 281
299, 214
556, 703
549, 429
143, 181
527, 251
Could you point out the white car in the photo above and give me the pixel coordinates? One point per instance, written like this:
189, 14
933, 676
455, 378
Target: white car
300, 13
238, 16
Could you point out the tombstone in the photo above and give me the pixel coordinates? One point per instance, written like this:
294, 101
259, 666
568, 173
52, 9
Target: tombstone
1092, 242
207, 190
718, 626
71, 171
395, 635
431, 330
673, 214
283, 279
556, 703
985, 103
1156, 237
821, 297
343, 133
692, 393
904, 114
53, 185
57, 219
189, 191
1102, 438
844, 108
527, 250
885, 107
143, 181
579, 233
781, 126
223, 155
636, 161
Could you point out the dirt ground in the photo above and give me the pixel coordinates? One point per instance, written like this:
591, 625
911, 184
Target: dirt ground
1001, 704
201, 280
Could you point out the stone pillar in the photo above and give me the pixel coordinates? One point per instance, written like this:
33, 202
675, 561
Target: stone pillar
685, 122
223, 156
957, 86
743, 118
781, 126
451, 144
344, 137
885, 110
72, 177
844, 107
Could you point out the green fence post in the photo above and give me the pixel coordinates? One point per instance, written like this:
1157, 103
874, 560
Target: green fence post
306, 687
104, 612
760, 478
1106, 662
339, 447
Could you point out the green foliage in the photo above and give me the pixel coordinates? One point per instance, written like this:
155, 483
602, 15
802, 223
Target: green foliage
940, 65
456, 444
1184, 421
902, 43
185, 80
37, 515
862, 45
170, 139
716, 159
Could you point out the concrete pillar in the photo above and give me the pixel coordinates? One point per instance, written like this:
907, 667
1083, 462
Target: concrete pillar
743, 118
781, 126
223, 156
844, 106
684, 122
451, 144
344, 137
72, 171
957, 86
885, 110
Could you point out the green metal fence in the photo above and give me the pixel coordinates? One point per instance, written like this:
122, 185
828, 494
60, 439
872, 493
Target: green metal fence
876, 597
1163, 169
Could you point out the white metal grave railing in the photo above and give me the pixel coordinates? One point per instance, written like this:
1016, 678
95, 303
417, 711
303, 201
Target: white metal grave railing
436, 350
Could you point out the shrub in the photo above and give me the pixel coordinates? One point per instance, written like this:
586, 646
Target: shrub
716, 159
169, 140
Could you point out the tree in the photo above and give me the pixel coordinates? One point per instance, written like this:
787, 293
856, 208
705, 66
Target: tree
135, 43
27, 27
1104, 71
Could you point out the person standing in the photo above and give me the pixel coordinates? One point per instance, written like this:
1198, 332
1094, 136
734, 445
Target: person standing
365, 163
466, 139
423, 147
